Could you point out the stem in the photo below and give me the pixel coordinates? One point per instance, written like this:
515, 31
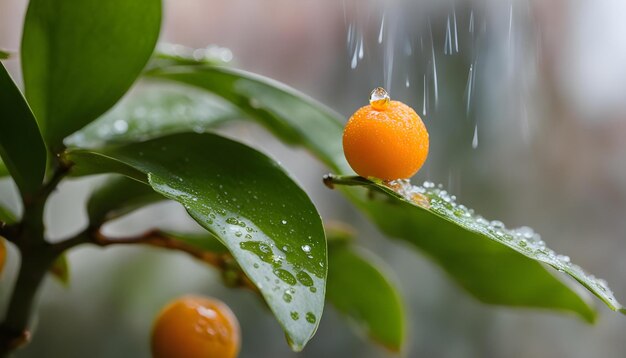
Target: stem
222, 261
36, 257
13, 332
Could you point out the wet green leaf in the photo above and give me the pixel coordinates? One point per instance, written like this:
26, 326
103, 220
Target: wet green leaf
79, 57
21, 146
295, 118
246, 200
359, 288
153, 111
489, 269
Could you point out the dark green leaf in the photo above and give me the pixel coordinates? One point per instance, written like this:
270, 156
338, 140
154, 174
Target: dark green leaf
168, 55
295, 118
21, 146
6, 216
489, 269
153, 111
483, 256
60, 270
246, 200
118, 196
80, 56
360, 290
3, 170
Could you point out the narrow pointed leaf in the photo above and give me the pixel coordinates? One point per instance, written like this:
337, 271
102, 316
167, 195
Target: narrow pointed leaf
79, 57
246, 200
489, 269
21, 147
3, 170
152, 111
295, 118
358, 288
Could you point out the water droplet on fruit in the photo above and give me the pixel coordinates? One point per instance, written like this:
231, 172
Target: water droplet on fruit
379, 98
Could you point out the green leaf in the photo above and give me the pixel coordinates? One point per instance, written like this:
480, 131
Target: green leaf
295, 118
360, 290
21, 146
3, 170
152, 111
118, 196
60, 270
4, 54
483, 256
167, 55
79, 57
245, 199
488, 269
6, 216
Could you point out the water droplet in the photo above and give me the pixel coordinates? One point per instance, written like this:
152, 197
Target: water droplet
295, 316
285, 276
475, 139
120, 126
304, 278
310, 317
382, 29
287, 297
306, 248
379, 98
312, 289
284, 222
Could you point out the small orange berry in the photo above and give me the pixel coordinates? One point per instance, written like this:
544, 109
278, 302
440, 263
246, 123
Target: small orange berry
195, 327
3, 254
386, 139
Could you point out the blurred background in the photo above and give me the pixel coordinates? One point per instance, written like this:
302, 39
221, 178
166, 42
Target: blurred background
525, 102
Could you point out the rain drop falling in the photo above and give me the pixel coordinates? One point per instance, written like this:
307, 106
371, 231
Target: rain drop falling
361, 51
468, 90
424, 97
456, 32
447, 47
475, 139
382, 27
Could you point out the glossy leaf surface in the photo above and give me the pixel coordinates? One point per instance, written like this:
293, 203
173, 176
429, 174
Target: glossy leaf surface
246, 200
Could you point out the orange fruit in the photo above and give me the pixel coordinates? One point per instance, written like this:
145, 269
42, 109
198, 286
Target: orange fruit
3, 254
385, 139
195, 327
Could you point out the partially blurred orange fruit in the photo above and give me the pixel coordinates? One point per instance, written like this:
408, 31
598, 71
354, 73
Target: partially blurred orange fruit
385, 139
3, 254
195, 327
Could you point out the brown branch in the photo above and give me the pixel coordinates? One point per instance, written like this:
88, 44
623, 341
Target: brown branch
156, 238
159, 239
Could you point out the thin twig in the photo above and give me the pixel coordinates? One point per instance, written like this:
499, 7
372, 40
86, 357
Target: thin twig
222, 261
